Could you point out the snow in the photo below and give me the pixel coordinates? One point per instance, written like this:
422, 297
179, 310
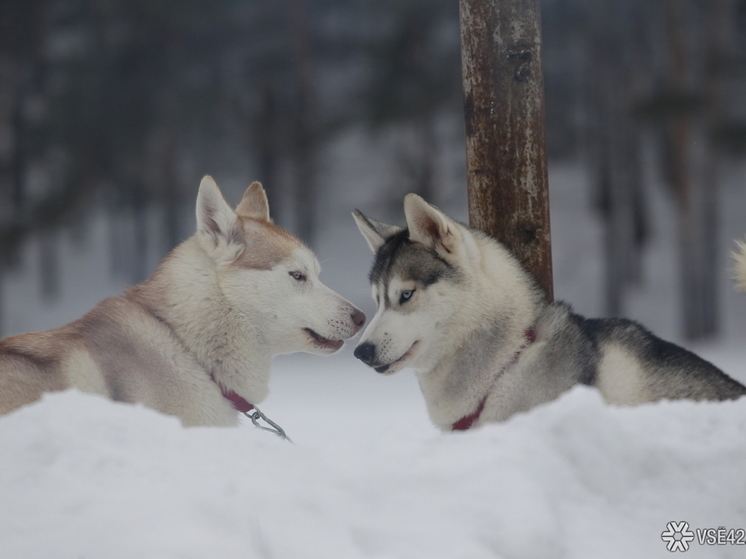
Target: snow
84, 477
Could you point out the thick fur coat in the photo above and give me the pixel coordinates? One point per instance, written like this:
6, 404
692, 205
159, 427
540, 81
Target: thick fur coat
457, 306
210, 319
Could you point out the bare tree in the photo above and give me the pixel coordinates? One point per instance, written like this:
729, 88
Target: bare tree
305, 122
505, 138
694, 49
613, 74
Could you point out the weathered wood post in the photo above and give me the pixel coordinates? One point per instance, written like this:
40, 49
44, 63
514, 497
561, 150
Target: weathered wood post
505, 140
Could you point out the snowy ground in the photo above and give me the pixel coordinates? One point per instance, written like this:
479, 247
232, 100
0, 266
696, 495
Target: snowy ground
369, 476
87, 478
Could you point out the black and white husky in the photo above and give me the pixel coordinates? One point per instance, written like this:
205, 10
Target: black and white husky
457, 306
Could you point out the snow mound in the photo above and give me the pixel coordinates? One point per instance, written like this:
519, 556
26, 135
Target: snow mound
83, 477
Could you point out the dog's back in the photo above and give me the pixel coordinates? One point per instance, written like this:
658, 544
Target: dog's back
38, 362
635, 366
118, 350
30, 364
102, 352
632, 365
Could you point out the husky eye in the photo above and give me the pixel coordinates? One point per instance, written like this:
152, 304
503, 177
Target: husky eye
297, 276
406, 296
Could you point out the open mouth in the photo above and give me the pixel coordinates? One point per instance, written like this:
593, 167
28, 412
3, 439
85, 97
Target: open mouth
321, 341
385, 368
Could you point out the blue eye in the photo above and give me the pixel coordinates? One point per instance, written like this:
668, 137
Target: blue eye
297, 276
406, 296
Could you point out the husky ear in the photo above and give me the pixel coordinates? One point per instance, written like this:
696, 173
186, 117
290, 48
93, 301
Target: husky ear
254, 203
374, 231
431, 227
216, 220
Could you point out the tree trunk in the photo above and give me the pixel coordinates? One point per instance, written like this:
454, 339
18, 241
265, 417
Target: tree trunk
268, 146
3, 267
140, 235
49, 266
305, 125
691, 165
18, 158
615, 150
505, 136
173, 202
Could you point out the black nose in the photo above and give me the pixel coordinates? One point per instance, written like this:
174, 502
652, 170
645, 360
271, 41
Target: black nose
358, 317
365, 352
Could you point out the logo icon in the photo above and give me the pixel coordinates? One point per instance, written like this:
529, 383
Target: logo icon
677, 536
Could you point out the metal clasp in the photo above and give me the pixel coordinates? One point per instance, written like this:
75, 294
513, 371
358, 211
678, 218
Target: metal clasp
256, 416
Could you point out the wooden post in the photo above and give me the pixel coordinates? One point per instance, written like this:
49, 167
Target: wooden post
505, 140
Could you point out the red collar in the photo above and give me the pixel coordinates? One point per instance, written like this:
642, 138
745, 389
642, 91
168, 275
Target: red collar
465, 423
243, 406
239, 402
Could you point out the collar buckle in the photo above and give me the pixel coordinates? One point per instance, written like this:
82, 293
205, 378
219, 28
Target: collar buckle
256, 416
251, 411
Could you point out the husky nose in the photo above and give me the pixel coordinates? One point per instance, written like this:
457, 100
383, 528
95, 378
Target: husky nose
365, 352
358, 317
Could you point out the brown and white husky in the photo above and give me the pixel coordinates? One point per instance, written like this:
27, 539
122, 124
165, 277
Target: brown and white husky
200, 334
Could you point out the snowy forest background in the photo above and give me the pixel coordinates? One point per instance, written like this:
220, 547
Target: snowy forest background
112, 110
